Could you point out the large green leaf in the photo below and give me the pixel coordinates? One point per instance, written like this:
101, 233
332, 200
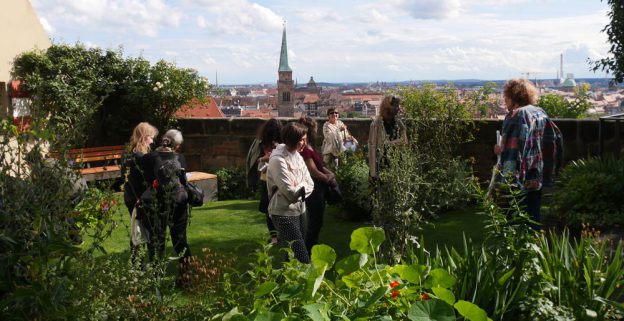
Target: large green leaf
506, 276
348, 265
378, 294
317, 311
323, 255
440, 278
366, 240
413, 273
470, 311
265, 288
431, 310
315, 278
444, 294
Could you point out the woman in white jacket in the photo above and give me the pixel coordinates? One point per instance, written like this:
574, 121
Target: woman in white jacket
289, 183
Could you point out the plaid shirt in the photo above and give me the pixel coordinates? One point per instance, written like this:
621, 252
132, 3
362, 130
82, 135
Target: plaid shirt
532, 147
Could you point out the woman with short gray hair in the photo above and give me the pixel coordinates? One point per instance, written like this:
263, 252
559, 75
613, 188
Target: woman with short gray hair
164, 171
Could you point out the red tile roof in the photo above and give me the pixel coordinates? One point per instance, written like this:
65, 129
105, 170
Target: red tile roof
256, 113
198, 109
310, 99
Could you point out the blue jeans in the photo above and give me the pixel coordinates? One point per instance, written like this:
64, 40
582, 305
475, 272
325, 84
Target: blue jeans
531, 202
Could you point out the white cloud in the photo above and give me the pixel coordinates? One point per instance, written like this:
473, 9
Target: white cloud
238, 17
431, 9
320, 15
201, 22
145, 17
46, 25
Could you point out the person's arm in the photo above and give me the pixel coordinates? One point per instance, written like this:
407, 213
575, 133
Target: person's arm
284, 179
315, 173
331, 175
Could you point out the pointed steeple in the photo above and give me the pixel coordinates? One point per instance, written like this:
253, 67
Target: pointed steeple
283, 64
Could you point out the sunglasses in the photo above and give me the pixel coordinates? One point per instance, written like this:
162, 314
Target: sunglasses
334, 113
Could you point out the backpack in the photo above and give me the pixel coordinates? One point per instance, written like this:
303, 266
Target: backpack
169, 173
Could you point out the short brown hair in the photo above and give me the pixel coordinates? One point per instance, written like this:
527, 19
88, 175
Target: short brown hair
521, 92
292, 133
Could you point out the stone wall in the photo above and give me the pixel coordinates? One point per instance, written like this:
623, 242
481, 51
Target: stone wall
214, 143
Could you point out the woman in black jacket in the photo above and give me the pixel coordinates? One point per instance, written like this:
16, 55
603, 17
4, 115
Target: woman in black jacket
166, 203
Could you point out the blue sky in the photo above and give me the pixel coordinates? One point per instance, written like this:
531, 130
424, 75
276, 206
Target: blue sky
343, 40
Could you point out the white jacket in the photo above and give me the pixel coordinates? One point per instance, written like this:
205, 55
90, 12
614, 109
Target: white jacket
286, 174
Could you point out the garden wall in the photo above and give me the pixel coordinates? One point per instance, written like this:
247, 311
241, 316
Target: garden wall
214, 143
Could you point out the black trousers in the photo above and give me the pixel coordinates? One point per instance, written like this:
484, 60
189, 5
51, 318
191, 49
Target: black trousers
174, 216
264, 208
315, 210
291, 231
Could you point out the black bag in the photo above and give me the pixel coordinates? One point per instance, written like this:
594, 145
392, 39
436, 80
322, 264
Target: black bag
334, 195
169, 173
195, 195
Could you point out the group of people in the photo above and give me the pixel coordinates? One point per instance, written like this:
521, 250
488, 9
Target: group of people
294, 176
154, 189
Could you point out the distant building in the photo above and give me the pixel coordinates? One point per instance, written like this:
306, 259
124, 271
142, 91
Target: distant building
285, 83
199, 109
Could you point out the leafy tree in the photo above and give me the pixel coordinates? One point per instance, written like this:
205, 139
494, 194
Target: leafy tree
615, 33
100, 93
557, 106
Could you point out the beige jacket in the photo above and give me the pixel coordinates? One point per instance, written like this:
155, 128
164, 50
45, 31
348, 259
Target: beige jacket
377, 137
286, 174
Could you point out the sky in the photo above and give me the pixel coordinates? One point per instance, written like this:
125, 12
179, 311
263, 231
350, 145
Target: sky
238, 41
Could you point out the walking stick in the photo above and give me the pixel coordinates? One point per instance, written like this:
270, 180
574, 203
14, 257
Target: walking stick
495, 169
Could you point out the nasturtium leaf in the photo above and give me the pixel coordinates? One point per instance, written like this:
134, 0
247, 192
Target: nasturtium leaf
440, 278
413, 273
444, 294
363, 259
431, 310
317, 311
265, 288
323, 255
290, 291
366, 240
229, 316
352, 280
315, 278
268, 316
348, 265
470, 311
378, 294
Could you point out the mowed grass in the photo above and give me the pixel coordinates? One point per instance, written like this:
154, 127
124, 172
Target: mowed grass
235, 229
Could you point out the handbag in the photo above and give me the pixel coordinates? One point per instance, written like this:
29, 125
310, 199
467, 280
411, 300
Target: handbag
138, 232
333, 195
195, 195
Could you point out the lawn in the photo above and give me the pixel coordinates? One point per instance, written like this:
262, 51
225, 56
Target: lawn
235, 229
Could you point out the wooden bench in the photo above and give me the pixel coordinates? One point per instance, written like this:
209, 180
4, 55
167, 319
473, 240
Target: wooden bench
97, 163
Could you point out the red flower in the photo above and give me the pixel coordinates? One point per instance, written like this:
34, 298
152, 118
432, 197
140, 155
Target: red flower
155, 183
394, 284
395, 294
424, 297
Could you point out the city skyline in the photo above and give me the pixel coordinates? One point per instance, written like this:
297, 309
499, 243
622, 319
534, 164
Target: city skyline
347, 41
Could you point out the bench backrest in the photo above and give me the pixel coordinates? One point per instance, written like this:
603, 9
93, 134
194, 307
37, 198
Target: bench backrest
85, 155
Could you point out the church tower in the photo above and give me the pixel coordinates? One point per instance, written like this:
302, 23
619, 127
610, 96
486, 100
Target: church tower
285, 84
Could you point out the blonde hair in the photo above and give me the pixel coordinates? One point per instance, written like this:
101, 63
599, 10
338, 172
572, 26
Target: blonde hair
140, 134
521, 92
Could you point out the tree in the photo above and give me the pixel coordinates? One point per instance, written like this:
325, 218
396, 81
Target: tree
615, 32
556, 106
97, 96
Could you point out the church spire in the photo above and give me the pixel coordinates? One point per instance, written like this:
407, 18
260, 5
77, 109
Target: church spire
283, 64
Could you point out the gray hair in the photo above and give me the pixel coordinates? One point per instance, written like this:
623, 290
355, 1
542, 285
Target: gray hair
172, 138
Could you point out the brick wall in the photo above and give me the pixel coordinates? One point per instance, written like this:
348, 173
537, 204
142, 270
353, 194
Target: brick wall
215, 143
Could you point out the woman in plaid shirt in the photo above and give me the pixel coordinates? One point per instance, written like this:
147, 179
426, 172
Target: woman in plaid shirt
531, 146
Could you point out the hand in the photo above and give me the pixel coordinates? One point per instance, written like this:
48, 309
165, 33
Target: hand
498, 149
301, 194
333, 182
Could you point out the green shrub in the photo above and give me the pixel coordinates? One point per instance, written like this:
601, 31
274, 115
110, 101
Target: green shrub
353, 178
590, 191
232, 184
